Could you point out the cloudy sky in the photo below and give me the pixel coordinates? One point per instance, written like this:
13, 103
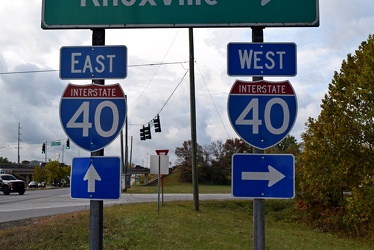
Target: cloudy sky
157, 64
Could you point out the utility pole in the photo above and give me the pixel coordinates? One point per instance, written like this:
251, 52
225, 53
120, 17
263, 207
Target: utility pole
19, 139
46, 150
63, 152
195, 175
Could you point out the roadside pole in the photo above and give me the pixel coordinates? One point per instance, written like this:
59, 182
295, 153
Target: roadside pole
46, 152
162, 161
195, 177
123, 168
258, 204
97, 206
158, 184
162, 189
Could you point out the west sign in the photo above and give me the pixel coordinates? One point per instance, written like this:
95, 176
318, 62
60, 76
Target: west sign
70, 14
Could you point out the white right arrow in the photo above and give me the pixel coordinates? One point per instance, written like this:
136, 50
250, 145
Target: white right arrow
91, 176
273, 176
264, 2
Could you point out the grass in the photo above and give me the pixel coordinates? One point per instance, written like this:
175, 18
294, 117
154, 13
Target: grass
180, 189
173, 185
218, 225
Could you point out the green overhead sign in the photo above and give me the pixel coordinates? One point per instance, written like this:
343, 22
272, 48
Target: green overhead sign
71, 14
55, 143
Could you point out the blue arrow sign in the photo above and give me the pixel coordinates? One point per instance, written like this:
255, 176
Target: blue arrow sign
262, 113
96, 178
93, 62
92, 115
261, 59
263, 176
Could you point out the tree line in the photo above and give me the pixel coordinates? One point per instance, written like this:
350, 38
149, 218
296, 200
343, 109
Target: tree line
54, 173
336, 171
214, 160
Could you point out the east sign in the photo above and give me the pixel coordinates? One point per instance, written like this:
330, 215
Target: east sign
93, 62
70, 14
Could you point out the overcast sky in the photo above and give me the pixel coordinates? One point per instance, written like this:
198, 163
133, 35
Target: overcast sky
32, 99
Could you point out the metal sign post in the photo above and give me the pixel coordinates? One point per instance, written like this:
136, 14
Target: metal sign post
159, 165
262, 113
97, 206
258, 204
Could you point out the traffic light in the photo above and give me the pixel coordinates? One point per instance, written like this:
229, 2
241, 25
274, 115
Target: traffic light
43, 148
156, 122
147, 132
142, 134
67, 144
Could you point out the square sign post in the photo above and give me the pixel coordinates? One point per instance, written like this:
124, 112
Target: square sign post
160, 166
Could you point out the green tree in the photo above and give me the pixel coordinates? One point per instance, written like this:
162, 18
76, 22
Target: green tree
221, 155
57, 172
4, 160
184, 159
338, 146
40, 174
288, 145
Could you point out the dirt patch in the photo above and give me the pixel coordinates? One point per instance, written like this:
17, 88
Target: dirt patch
17, 223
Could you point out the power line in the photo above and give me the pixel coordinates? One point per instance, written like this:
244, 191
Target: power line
215, 106
172, 93
28, 72
154, 74
55, 70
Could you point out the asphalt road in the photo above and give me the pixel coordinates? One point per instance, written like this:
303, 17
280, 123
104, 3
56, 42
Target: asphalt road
37, 203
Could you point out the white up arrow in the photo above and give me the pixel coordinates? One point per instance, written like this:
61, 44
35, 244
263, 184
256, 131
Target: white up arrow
273, 176
264, 2
91, 176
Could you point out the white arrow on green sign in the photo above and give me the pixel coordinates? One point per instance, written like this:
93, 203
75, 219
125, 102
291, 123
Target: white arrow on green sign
70, 14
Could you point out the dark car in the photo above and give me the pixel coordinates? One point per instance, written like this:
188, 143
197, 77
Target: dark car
10, 184
33, 184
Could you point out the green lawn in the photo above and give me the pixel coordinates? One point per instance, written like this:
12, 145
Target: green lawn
173, 185
218, 225
180, 188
